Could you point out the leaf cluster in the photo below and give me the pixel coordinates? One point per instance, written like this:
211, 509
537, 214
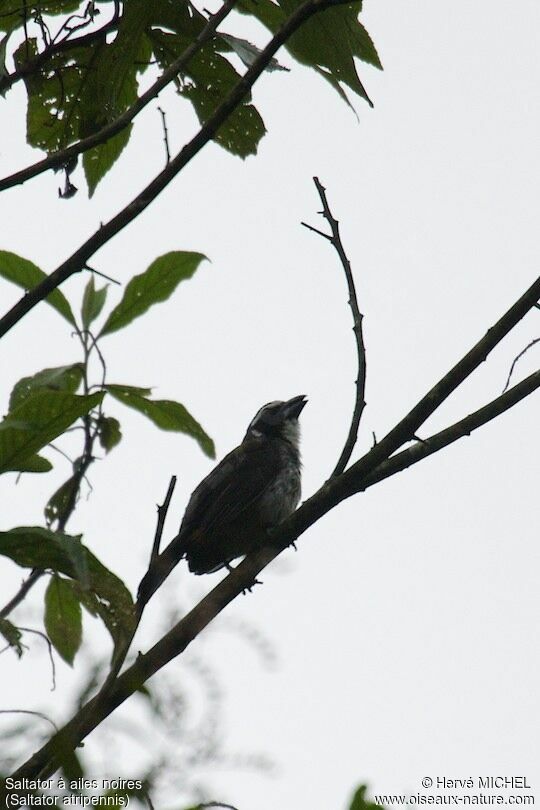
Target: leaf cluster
47, 404
82, 75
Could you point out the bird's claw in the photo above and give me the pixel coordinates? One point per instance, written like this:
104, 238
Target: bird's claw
249, 588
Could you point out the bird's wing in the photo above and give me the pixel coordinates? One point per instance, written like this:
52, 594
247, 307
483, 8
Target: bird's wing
233, 486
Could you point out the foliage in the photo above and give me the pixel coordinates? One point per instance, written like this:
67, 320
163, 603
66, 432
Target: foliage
46, 404
360, 802
81, 74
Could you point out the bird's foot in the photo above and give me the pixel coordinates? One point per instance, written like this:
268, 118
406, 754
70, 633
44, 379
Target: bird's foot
249, 588
293, 544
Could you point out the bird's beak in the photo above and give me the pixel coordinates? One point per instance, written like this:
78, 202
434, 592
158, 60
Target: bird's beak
293, 407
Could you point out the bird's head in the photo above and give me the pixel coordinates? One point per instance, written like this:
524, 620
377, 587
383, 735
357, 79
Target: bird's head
278, 420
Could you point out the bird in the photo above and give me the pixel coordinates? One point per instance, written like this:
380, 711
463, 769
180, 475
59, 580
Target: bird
230, 513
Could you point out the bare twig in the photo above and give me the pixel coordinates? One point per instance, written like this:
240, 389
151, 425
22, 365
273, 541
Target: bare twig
359, 404
103, 275
214, 804
28, 711
519, 356
165, 135
27, 584
121, 653
148, 801
162, 514
47, 641
63, 156
78, 260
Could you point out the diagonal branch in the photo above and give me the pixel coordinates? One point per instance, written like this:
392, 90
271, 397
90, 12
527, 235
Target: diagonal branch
105, 133
76, 262
368, 470
451, 434
359, 403
19, 597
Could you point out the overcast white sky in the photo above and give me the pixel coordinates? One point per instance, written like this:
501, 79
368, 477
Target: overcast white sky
406, 626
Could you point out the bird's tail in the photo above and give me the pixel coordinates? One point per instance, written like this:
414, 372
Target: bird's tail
159, 570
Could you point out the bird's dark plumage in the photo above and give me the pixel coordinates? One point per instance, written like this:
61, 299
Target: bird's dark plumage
254, 488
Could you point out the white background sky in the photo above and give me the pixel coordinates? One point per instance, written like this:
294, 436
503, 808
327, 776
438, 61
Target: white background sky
406, 627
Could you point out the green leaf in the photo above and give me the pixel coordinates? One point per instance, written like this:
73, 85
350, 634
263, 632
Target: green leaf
360, 802
109, 433
37, 421
156, 284
99, 159
11, 16
33, 464
93, 302
56, 94
63, 618
62, 378
329, 42
60, 502
166, 414
248, 52
12, 635
206, 80
27, 275
106, 595
112, 88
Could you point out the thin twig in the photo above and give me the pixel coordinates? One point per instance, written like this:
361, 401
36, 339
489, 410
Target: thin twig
162, 514
519, 356
28, 711
103, 275
63, 156
359, 403
165, 136
215, 804
78, 260
47, 641
148, 800
27, 584
121, 653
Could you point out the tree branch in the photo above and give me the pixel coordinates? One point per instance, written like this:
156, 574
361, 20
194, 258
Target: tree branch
464, 427
76, 262
105, 133
372, 467
359, 403
26, 585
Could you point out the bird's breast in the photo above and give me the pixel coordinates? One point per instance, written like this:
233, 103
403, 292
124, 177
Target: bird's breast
281, 496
